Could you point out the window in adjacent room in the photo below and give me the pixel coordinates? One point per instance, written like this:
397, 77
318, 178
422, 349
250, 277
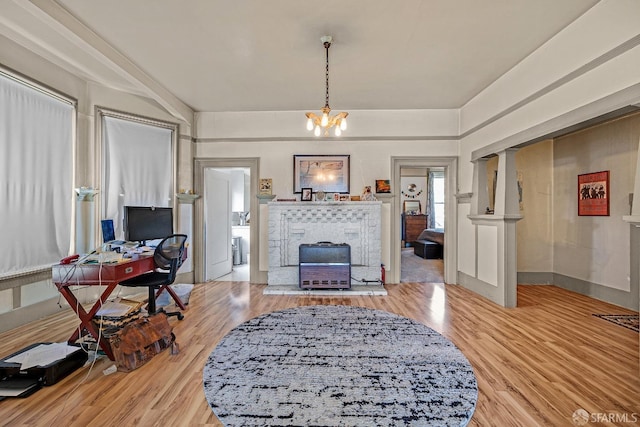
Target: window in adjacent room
138, 164
37, 134
436, 196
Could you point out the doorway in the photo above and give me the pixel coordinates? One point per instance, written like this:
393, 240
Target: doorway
227, 219
422, 197
227, 224
448, 168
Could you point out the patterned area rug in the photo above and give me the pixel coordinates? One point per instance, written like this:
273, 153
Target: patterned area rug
629, 321
338, 365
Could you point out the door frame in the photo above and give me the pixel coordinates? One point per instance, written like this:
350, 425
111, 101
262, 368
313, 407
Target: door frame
253, 164
450, 165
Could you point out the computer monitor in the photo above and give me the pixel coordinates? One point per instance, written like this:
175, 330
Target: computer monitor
142, 223
108, 232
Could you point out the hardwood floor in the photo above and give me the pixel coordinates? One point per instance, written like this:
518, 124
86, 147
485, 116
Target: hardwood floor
535, 364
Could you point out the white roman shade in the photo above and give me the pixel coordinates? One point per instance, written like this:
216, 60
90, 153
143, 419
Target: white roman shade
36, 177
138, 167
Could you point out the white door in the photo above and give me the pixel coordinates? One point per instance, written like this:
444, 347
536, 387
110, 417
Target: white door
217, 219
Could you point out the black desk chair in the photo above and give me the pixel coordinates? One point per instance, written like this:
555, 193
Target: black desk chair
167, 259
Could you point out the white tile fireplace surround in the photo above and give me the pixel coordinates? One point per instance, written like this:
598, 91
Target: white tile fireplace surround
294, 223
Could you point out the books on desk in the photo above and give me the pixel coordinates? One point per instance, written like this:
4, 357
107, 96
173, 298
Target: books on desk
104, 258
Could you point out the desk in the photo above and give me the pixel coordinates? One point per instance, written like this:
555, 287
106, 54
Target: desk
65, 276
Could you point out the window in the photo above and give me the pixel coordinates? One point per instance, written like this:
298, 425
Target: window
137, 164
37, 131
436, 180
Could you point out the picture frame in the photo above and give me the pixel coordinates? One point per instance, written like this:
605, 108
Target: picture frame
593, 194
412, 207
328, 173
306, 194
383, 186
266, 184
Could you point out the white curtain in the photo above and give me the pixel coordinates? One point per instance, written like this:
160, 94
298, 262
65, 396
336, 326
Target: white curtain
36, 177
138, 167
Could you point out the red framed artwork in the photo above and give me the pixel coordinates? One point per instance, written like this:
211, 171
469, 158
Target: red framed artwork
593, 194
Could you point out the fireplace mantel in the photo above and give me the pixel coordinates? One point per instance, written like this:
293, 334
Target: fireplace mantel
294, 223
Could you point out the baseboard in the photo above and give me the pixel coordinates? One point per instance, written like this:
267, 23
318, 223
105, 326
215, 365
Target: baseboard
23, 315
535, 278
626, 299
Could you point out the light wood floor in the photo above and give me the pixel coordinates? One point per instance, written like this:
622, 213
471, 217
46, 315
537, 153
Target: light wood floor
535, 364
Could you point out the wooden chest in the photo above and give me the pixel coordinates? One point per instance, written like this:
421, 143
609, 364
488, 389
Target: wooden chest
413, 225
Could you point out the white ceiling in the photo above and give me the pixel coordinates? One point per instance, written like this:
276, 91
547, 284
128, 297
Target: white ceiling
257, 55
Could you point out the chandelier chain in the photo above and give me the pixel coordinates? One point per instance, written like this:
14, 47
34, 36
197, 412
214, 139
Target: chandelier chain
320, 124
326, 45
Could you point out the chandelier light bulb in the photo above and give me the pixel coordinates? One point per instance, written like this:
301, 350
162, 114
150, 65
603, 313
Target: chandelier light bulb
325, 120
309, 124
343, 124
316, 132
337, 132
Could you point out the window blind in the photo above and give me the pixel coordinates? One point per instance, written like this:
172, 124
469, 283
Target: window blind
138, 167
36, 177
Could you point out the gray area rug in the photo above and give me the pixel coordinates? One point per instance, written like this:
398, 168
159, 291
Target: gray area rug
338, 366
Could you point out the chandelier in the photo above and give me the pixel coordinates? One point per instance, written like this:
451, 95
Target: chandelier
326, 121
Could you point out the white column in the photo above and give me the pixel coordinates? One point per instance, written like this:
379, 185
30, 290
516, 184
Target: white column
507, 207
497, 279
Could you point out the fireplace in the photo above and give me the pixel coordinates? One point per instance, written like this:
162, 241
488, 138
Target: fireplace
324, 265
356, 224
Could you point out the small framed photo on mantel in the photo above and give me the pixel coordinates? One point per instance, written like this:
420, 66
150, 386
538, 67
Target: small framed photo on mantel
306, 194
383, 186
266, 185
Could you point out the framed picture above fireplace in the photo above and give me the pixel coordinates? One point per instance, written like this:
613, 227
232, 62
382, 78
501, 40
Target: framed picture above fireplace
328, 173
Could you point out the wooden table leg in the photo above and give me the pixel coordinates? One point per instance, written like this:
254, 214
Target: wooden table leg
86, 317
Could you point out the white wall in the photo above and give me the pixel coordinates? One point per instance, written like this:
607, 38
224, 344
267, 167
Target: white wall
595, 249
535, 230
283, 125
370, 160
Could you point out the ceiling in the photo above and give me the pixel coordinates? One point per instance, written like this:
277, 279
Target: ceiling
257, 55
